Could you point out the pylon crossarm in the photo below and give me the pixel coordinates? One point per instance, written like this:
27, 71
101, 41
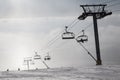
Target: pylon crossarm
90, 9
93, 8
93, 5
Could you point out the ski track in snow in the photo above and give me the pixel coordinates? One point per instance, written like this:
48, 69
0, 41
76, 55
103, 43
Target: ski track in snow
82, 73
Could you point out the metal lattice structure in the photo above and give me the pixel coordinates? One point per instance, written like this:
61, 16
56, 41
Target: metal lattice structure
97, 10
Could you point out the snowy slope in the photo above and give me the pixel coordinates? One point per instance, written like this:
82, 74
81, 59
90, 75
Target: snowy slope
82, 73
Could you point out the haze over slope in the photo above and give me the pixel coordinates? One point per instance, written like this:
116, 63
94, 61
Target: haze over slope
82, 73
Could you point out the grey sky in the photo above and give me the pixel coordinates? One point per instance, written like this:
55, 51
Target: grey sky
28, 25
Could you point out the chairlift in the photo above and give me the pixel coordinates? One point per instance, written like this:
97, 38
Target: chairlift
37, 56
82, 38
68, 35
47, 57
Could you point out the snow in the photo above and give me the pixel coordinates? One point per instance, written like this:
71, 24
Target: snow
111, 72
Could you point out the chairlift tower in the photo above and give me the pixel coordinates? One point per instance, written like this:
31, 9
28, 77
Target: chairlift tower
27, 60
98, 12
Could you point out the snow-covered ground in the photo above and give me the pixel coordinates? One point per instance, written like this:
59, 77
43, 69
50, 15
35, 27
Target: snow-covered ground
68, 73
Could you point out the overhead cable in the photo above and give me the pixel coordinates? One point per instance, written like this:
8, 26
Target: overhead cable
88, 52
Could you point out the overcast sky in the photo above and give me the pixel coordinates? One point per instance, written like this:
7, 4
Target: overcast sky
27, 26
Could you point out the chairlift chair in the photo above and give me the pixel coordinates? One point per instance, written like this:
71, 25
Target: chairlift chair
82, 38
47, 57
68, 35
37, 56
